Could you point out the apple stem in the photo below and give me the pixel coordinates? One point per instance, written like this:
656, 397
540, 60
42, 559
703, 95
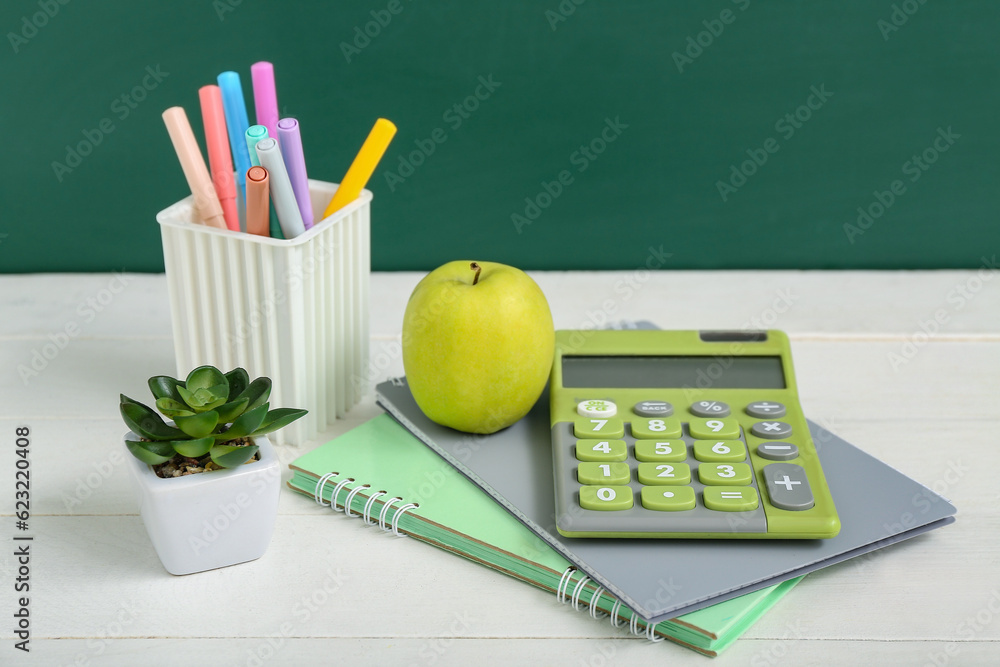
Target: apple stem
478, 269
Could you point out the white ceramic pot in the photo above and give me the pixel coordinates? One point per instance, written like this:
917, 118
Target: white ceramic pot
212, 519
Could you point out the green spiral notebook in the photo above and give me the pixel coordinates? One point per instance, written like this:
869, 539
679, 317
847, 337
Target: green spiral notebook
389, 478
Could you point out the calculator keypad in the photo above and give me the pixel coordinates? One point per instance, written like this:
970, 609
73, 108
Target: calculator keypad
596, 408
695, 469
663, 499
599, 427
606, 498
667, 427
592, 472
660, 450
664, 473
710, 409
729, 474
720, 450
601, 450
766, 409
777, 451
715, 428
731, 500
771, 430
653, 409
788, 487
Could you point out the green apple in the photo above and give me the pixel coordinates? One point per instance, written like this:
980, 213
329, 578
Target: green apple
478, 342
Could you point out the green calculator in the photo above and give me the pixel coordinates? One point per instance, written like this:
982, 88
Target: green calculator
683, 434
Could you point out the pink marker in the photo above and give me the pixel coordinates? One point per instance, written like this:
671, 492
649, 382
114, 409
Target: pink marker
295, 163
265, 97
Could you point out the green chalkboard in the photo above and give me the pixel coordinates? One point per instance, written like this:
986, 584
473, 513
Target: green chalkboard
550, 134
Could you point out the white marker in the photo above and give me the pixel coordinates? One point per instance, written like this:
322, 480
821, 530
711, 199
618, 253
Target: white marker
282, 195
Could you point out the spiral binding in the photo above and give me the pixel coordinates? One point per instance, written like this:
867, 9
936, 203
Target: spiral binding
563, 596
365, 515
350, 497
383, 522
319, 488
567, 576
576, 592
336, 492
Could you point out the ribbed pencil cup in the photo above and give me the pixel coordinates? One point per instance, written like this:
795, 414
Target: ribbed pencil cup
294, 310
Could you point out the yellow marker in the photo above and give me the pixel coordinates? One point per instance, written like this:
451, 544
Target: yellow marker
363, 166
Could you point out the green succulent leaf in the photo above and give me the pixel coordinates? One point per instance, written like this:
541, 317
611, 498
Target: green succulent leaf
150, 452
244, 425
205, 377
229, 456
193, 448
230, 411
278, 418
257, 392
199, 425
144, 421
238, 381
202, 399
164, 386
172, 408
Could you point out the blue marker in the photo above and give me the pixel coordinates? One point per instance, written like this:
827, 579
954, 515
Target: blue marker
236, 123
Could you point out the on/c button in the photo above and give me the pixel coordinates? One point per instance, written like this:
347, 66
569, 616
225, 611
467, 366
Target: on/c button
596, 408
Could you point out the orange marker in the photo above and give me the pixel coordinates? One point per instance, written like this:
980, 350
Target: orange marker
363, 166
219, 157
206, 201
258, 201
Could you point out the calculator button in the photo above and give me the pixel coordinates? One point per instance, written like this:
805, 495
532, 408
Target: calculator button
664, 473
596, 408
653, 409
720, 450
788, 487
766, 409
668, 427
724, 499
603, 473
598, 428
771, 430
706, 429
668, 499
660, 450
725, 474
777, 451
606, 498
601, 450
710, 409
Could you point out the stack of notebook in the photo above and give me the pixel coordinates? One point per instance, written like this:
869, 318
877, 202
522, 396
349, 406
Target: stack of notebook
409, 476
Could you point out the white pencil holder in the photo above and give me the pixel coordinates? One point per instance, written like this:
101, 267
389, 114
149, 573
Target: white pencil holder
294, 310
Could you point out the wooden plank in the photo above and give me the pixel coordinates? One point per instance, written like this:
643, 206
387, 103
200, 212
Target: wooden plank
932, 415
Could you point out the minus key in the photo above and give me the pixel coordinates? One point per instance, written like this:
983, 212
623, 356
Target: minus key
777, 451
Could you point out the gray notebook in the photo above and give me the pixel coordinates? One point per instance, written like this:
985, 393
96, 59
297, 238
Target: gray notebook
661, 579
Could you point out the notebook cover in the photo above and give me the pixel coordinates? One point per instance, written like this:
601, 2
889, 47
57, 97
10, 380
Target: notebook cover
456, 515
660, 579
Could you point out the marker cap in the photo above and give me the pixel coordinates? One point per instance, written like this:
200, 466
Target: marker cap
281, 188
295, 162
258, 201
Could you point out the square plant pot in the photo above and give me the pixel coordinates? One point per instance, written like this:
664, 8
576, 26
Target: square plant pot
211, 519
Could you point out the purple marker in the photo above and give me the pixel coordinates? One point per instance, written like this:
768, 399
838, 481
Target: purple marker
295, 164
265, 97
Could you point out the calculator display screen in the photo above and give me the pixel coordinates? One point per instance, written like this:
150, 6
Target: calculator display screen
624, 372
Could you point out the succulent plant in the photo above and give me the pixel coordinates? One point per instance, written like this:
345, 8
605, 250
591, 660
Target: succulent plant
209, 409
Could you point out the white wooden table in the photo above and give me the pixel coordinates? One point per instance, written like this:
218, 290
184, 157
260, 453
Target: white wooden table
331, 590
